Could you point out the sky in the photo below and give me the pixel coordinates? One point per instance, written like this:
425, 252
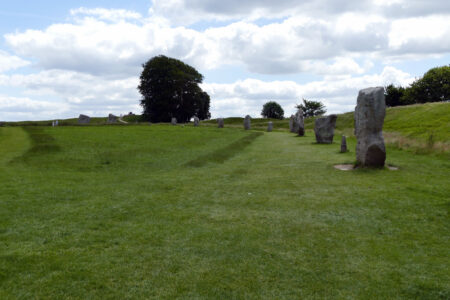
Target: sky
59, 59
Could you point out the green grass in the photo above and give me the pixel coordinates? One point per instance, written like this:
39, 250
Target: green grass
132, 212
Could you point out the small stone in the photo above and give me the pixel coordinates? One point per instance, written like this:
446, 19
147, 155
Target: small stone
369, 118
324, 129
83, 119
220, 122
247, 122
196, 121
173, 121
344, 144
112, 119
270, 127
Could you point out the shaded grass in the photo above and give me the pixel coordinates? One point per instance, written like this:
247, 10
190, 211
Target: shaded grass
42, 142
221, 155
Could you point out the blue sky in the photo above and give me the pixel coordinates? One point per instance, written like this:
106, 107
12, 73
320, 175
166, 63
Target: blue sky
62, 58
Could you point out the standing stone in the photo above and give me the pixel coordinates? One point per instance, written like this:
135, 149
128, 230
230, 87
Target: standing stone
291, 123
300, 123
112, 119
247, 122
344, 144
196, 121
56, 123
369, 118
83, 119
53, 123
324, 129
270, 127
174, 121
220, 122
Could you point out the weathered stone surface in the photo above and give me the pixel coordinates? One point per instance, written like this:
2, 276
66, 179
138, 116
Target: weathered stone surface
220, 122
291, 123
344, 144
247, 122
112, 118
300, 123
83, 119
174, 121
196, 121
324, 129
369, 118
270, 127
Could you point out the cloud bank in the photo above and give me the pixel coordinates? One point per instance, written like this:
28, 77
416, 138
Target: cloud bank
91, 63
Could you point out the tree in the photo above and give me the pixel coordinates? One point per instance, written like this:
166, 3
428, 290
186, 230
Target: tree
170, 88
272, 110
394, 95
434, 86
312, 108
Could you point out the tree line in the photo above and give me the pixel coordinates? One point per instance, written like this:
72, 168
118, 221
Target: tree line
434, 86
170, 89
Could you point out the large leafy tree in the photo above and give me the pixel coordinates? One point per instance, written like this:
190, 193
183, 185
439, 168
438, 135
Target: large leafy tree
170, 88
312, 108
272, 110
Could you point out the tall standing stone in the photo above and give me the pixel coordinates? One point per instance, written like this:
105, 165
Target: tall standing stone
173, 121
220, 122
196, 121
83, 119
247, 122
344, 144
324, 129
270, 127
291, 124
112, 119
369, 118
300, 123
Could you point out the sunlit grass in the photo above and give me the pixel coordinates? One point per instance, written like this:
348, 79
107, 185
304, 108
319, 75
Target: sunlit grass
132, 212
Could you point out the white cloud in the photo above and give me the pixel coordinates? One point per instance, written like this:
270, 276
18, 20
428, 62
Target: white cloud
78, 92
297, 44
338, 94
91, 63
93, 95
24, 108
420, 35
193, 11
114, 15
11, 62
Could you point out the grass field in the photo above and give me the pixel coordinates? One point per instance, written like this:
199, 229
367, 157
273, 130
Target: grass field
164, 212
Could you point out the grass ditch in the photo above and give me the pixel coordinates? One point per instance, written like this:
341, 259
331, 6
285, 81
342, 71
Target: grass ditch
223, 154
